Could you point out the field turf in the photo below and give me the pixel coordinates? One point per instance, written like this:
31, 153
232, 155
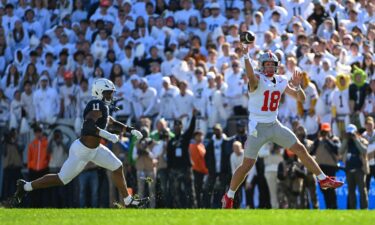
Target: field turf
182, 217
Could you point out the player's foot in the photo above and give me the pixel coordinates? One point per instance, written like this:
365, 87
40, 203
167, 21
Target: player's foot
330, 182
137, 202
227, 202
20, 192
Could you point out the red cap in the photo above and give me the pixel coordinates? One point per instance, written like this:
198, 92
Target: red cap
105, 3
68, 75
325, 127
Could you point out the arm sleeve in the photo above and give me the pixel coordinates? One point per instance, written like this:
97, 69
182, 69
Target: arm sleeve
362, 147
190, 130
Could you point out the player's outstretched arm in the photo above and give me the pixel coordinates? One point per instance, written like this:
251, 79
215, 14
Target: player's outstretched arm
125, 128
296, 91
253, 80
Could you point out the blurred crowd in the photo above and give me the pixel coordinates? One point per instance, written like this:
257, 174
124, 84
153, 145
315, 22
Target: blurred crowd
181, 81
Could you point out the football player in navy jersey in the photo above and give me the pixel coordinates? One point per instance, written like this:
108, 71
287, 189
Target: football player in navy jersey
88, 148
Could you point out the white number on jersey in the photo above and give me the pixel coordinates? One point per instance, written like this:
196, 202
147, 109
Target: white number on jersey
95, 107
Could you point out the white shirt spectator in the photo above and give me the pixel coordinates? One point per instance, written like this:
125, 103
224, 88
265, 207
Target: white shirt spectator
167, 66
199, 102
167, 103
69, 96
28, 105
46, 104
184, 104
155, 80
146, 102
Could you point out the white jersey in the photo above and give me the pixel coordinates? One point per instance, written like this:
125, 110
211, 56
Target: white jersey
264, 101
340, 100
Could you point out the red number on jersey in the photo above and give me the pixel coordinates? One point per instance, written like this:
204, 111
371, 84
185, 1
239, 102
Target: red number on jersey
274, 102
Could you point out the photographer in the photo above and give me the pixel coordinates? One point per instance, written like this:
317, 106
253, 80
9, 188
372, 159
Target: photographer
144, 164
325, 149
179, 165
291, 174
159, 154
353, 150
59, 153
12, 162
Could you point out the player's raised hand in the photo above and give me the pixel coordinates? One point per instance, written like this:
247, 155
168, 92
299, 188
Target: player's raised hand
297, 78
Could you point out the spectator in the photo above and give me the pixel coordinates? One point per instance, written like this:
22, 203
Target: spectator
38, 159
168, 93
46, 102
271, 162
184, 102
12, 163
144, 165
68, 93
145, 101
369, 135
357, 94
325, 149
4, 113
58, 152
218, 164
89, 186
353, 150
27, 102
197, 153
291, 174
309, 182
340, 104
179, 165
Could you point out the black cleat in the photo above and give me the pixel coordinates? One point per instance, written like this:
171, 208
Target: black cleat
138, 202
20, 193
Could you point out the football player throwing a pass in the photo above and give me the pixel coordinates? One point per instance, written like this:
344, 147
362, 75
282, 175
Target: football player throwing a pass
265, 90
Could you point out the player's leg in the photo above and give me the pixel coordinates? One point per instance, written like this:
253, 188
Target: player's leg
75, 163
252, 146
284, 137
106, 159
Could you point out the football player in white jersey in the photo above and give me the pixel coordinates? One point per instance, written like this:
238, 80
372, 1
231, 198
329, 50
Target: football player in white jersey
265, 90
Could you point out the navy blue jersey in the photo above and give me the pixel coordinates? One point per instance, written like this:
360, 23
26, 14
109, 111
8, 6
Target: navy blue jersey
98, 105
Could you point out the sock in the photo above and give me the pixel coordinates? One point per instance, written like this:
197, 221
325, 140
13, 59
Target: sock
231, 193
321, 176
27, 186
128, 199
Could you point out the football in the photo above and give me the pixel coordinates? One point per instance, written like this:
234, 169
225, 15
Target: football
247, 37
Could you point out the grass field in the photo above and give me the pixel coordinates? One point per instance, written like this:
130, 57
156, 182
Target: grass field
182, 217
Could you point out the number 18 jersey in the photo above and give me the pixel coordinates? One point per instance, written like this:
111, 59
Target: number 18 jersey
264, 101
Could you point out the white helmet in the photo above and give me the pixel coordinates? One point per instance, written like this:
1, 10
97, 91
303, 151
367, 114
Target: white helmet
101, 85
268, 57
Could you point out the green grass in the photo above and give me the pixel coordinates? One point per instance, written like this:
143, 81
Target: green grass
182, 217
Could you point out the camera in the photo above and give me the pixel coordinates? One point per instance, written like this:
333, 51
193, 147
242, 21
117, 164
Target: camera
164, 134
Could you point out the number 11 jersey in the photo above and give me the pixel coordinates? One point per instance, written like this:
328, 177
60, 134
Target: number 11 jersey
264, 101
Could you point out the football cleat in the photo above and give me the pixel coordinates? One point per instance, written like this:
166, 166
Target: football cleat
20, 192
227, 203
330, 182
138, 202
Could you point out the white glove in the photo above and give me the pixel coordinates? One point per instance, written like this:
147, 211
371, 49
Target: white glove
114, 138
137, 134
